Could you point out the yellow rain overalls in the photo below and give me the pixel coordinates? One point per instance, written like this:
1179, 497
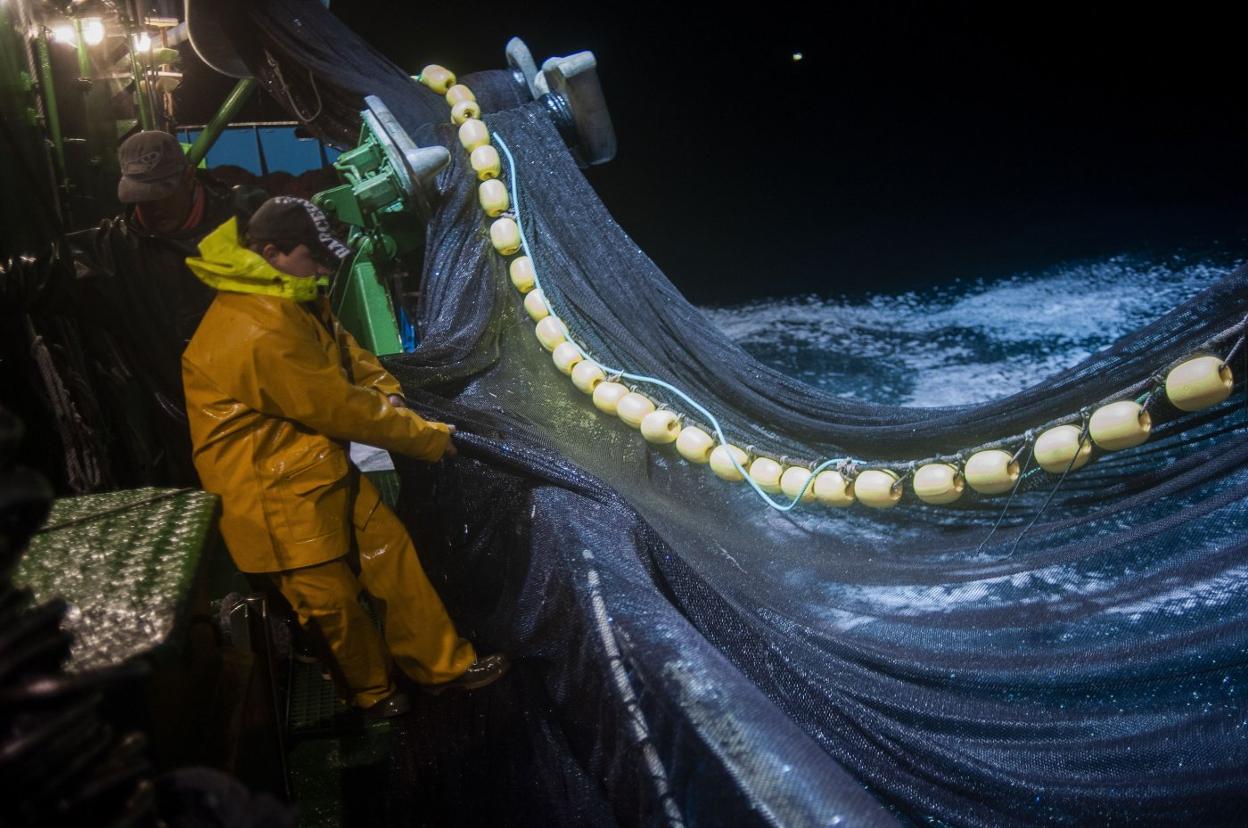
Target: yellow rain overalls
275, 390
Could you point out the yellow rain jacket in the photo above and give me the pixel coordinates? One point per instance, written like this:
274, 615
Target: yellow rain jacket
275, 390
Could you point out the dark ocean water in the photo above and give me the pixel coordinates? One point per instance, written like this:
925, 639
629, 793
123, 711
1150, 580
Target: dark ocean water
967, 341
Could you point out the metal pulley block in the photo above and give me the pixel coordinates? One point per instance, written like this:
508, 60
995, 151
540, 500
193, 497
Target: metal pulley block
415, 167
572, 93
385, 172
385, 199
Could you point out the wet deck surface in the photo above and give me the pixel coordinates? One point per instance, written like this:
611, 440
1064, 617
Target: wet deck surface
457, 759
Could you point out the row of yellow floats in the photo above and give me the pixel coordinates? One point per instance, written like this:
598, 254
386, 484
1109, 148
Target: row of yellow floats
1196, 383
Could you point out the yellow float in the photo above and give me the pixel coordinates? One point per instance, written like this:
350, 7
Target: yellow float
1057, 447
660, 427
492, 196
766, 473
566, 356
473, 134
465, 110
877, 488
1199, 383
586, 375
792, 481
608, 395
721, 462
459, 93
695, 445
938, 484
1120, 425
505, 236
438, 78
833, 489
485, 162
991, 472
633, 408
535, 305
551, 332
523, 276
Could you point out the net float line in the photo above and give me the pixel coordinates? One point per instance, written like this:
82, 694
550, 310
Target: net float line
1058, 447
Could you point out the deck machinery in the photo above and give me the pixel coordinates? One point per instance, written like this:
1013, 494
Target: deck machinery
382, 200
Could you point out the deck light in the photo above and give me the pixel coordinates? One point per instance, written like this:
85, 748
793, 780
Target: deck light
93, 31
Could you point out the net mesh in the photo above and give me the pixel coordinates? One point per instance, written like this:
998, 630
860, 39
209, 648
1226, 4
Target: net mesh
707, 659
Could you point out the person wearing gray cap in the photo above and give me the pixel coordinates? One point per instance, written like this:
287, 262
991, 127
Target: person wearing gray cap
156, 178
119, 301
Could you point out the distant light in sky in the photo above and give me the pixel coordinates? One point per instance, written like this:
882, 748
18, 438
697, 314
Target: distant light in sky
797, 56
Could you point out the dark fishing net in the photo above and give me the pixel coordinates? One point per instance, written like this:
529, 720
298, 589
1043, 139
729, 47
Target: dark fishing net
709, 660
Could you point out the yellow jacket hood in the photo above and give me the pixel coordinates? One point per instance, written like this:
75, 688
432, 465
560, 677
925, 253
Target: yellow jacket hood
225, 264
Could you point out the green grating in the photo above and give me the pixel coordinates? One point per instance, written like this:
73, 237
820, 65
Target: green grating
313, 702
337, 757
125, 562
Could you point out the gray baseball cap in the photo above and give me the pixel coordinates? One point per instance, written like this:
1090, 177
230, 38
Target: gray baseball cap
152, 164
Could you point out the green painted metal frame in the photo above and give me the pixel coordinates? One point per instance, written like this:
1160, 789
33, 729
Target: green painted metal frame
96, 181
372, 201
25, 166
365, 309
51, 112
233, 102
147, 118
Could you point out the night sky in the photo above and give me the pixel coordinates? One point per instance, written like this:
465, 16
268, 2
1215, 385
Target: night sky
911, 144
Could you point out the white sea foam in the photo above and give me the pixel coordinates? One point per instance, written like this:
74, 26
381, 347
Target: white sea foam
965, 343
1209, 594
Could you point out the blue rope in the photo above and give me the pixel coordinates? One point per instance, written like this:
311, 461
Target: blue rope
710, 418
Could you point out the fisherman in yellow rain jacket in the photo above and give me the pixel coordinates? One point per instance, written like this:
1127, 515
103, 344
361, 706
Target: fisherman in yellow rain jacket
275, 391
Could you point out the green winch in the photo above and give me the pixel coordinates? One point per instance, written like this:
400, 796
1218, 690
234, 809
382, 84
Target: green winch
382, 200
